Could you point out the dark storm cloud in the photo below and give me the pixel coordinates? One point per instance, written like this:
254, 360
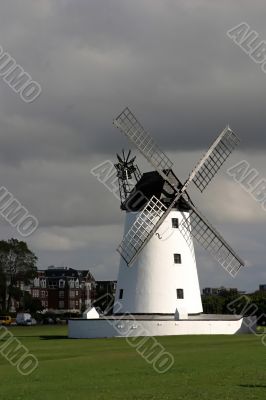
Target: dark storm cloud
172, 64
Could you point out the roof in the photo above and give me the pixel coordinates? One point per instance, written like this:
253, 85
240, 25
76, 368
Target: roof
152, 184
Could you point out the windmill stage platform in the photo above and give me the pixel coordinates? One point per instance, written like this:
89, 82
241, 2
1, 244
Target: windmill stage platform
158, 325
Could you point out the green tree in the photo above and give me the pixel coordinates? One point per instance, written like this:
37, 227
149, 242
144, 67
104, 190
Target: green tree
259, 299
31, 304
17, 265
212, 304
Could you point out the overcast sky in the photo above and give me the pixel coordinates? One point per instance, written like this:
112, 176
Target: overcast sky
172, 63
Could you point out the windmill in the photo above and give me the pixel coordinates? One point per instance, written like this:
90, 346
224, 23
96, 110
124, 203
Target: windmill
158, 272
158, 289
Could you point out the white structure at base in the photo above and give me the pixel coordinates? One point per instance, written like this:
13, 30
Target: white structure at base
114, 327
154, 282
91, 313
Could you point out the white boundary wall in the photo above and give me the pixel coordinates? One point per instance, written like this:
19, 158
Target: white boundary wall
104, 328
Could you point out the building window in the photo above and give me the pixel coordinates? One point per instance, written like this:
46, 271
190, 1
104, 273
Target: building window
61, 294
72, 304
179, 293
52, 284
61, 283
36, 282
61, 304
43, 293
77, 292
72, 294
177, 258
71, 283
121, 293
35, 293
175, 223
43, 283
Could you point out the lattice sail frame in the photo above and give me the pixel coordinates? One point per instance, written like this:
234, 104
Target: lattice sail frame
214, 158
213, 242
128, 124
185, 230
136, 237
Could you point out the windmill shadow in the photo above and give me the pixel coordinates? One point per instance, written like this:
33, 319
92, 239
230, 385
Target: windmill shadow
53, 337
250, 385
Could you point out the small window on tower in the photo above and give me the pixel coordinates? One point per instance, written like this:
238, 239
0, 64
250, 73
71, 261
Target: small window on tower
175, 223
179, 293
121, 292
177, 258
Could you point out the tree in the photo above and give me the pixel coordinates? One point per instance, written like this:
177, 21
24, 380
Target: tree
17, 265
2, 289
259, 299
31, 304
212, 304
228, 301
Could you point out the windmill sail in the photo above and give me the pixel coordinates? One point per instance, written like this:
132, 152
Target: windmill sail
212, 161
145, 226
127, 123
142, 230
213, 242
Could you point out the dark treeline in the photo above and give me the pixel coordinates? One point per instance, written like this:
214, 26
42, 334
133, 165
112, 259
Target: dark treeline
232, 302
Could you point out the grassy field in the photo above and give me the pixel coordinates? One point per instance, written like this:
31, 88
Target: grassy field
206, 367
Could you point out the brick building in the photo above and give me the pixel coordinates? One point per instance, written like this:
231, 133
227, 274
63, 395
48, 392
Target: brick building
64, 289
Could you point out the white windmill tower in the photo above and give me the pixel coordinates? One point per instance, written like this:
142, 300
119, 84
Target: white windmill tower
158, 272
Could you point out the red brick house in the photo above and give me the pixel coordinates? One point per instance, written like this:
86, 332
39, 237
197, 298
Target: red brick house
64, 289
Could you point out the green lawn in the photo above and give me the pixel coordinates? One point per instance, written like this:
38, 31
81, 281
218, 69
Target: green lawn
206, 367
